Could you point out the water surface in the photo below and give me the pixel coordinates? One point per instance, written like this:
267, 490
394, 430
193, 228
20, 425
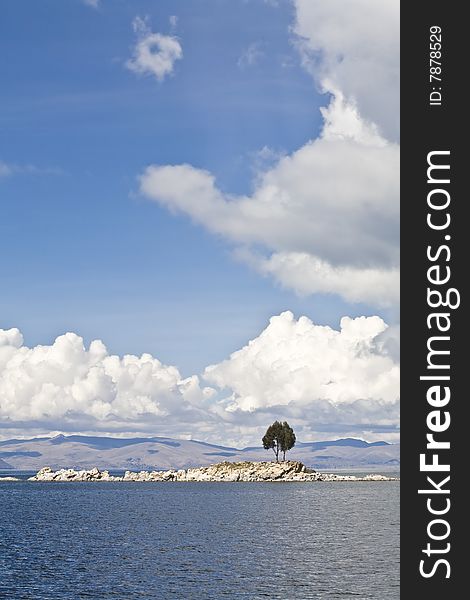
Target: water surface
185, 541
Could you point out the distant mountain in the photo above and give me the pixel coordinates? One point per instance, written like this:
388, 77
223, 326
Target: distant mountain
80, 451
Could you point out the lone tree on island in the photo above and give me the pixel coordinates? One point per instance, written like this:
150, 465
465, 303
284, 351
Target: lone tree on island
279, 437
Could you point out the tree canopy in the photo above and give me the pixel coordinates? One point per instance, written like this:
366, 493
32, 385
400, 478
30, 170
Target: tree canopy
279, 437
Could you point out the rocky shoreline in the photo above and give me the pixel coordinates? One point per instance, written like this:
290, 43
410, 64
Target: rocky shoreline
287, 471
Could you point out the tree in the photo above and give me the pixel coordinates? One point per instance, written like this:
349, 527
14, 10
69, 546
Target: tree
288, 439
279, 437
272, 438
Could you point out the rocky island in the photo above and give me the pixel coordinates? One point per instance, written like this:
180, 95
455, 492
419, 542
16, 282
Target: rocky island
225, 471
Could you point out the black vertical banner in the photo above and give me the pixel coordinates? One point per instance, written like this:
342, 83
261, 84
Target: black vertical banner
434, 244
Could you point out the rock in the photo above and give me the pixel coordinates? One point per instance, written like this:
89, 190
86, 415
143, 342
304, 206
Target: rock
377, 478
225, 471
9, 479
46, 474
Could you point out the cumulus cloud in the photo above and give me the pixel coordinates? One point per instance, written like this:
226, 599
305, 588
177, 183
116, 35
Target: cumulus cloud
323, 380
68, 384
330, 210
300, 365
154, 53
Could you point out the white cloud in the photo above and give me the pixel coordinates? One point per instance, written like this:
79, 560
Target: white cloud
324, 381
68, 384
313, 374
92, 3
325, 218
251, 55
354, 47
154, 54
307, 274
335, 200
342, 121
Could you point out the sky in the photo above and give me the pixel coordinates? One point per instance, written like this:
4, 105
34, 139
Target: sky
178, 178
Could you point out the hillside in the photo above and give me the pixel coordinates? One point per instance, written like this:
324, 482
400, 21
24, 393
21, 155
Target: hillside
77, 451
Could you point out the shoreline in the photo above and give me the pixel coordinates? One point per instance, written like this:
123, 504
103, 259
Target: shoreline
287, 471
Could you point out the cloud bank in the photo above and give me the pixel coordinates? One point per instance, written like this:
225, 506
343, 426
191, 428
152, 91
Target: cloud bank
326, 218
321, 379
154, 54
68, 385
314, 374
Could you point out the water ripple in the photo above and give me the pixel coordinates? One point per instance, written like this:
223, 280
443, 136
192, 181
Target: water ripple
206, 541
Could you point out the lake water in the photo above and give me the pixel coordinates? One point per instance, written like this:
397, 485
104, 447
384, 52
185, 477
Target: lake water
191, 541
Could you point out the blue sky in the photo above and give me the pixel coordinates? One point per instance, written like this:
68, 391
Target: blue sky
82, 250
175, 174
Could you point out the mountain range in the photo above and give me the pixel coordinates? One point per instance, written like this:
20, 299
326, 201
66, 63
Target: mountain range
78, 451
